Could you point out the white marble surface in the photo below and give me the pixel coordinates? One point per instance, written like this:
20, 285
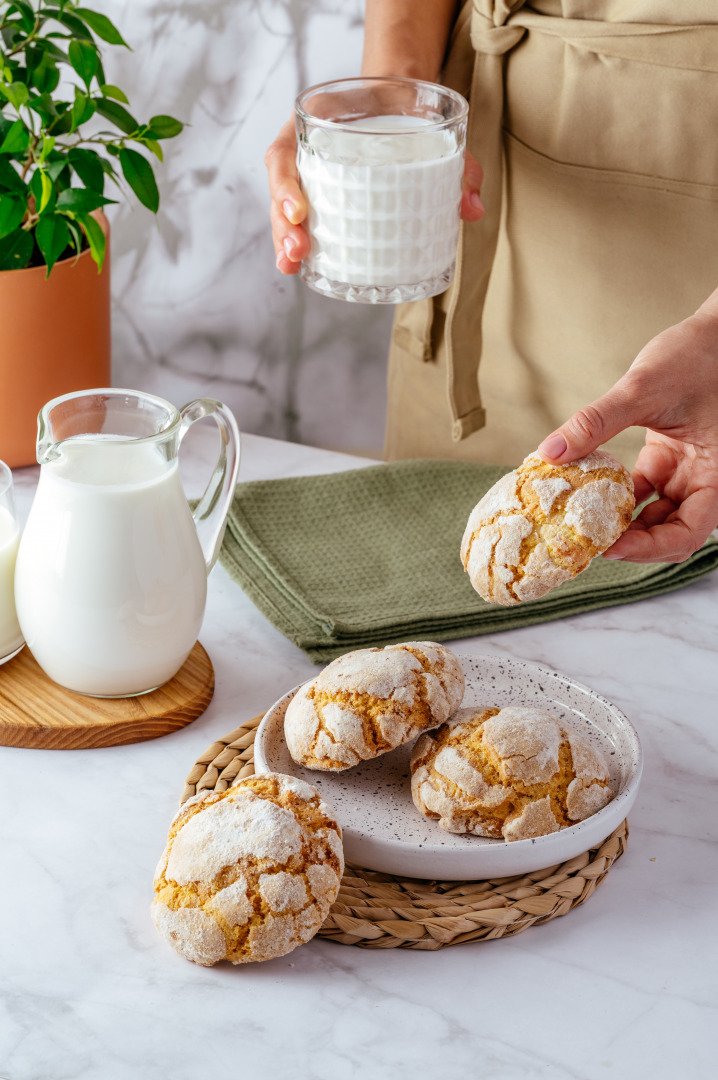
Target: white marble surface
196, 294
624, 986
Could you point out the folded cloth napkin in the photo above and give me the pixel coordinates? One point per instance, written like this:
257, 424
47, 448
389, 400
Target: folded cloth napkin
371, 556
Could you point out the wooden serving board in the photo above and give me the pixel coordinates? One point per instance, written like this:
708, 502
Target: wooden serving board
36, 712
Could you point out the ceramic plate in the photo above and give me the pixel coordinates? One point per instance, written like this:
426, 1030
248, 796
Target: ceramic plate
384, 831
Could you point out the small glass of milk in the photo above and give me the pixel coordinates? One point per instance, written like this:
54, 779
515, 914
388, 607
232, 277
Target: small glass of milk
381, 162
11, 639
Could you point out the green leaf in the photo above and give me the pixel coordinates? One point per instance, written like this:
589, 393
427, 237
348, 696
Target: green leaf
25, 11
88, 166
76, 26
83, 57
10, 34
102, 26
119, 116
48, 144
16, 93
95, 238
12, 211
10, 179
54, 166
81, 200
44, 76
165, 127
75, 234
53, 50
16, 250
53, 236
62, 124
44, 106
47, 193
16, 140
43, 191
154, 146
83, 108
138, 174
108, 90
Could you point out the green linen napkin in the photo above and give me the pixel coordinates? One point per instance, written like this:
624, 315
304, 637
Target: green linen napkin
371, 556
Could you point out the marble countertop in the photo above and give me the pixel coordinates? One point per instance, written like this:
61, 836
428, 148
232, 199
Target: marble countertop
624, 986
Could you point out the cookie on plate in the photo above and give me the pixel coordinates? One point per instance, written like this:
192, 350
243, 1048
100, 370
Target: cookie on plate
248, 873
542, 524
516, 772
370, 701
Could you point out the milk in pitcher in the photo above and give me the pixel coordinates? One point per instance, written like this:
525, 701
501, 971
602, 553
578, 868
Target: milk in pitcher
110, 577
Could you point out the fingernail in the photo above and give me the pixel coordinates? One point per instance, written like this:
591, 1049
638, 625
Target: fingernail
475, 201
289, 246
288, 207
612, 555
280, 256
553, 447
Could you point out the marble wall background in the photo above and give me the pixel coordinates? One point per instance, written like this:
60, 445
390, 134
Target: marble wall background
199, 307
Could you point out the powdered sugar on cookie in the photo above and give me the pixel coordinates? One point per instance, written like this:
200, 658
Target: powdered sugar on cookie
515, 772
248, 873
542, 524
370, 701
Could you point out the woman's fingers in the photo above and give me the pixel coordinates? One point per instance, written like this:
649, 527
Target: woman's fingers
291, 242
289, 207
472, 208
675, 537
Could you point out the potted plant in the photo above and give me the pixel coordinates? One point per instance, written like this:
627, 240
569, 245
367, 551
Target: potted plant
66, 136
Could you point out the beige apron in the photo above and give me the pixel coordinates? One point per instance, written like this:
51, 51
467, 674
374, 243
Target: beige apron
599, 142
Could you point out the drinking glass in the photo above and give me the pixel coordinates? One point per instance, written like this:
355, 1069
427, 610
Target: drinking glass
381, 162
11, 639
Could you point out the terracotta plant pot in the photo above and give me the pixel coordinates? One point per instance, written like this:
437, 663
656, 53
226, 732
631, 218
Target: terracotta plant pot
54, 338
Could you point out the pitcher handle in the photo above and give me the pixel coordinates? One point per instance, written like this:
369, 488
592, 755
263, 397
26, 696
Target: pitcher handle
212, 510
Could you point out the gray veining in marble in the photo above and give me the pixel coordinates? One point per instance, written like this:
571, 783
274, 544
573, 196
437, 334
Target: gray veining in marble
199, 307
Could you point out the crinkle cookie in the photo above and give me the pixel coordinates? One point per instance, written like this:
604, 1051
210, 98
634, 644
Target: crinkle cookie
370, 701
542, 524
248, 873
515, 772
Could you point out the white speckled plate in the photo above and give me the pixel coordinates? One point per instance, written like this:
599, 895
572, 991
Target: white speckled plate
384, 831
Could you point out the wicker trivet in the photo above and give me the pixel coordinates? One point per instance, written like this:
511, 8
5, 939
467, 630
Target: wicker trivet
379, 911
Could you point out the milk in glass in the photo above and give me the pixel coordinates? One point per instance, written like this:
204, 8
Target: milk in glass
384, 199
10, 632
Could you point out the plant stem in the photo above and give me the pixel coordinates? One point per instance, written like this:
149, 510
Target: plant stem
30, 156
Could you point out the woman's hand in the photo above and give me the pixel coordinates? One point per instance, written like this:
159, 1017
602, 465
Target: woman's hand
289, 207
671, 388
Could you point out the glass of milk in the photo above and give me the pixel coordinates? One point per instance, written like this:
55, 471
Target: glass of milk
381, 162
11, 639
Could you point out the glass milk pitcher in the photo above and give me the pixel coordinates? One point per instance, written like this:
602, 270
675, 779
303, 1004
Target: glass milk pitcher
111, 576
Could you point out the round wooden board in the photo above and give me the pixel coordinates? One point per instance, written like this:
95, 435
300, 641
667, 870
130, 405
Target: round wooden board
35, 712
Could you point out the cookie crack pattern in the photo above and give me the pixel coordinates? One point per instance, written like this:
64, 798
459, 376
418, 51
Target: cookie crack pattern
370, 701
491, 785
543, 524
283, 862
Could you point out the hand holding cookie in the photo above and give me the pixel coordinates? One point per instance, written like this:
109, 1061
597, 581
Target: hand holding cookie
542, 524
671, 389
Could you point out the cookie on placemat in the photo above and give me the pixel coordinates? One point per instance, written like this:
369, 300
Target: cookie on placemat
370, 701
248, 873
516, 772
542, 524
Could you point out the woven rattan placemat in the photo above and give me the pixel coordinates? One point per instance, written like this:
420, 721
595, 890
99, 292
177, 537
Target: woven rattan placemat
379, 911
